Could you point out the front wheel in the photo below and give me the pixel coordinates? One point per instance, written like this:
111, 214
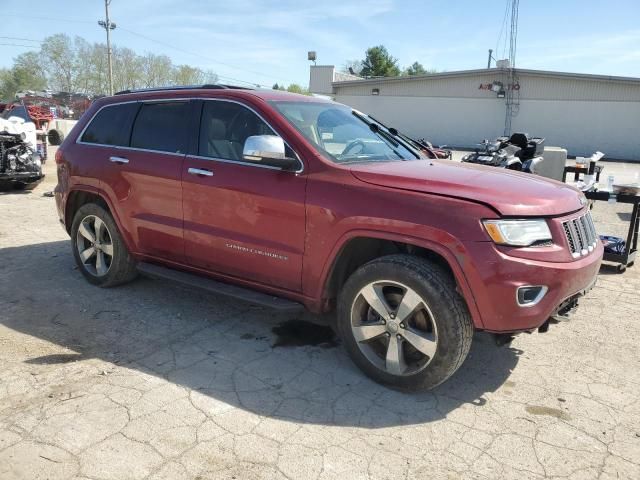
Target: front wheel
403, 322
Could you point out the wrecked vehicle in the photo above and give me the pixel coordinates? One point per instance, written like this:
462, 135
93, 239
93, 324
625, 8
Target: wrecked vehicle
20, 163
290, 201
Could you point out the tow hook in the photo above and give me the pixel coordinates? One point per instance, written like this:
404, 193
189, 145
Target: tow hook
503, 339
544, 328
563, 314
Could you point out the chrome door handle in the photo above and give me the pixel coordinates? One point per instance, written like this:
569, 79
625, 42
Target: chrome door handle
200, 172
119, 160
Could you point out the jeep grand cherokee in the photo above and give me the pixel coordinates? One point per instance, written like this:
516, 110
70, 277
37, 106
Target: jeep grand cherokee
288, 201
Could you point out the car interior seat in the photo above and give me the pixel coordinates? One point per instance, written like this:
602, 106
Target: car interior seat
217, 143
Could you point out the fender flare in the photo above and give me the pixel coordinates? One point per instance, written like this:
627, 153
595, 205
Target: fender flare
100, 193
450, 257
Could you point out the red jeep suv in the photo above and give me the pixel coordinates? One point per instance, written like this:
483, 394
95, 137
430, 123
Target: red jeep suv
289, 201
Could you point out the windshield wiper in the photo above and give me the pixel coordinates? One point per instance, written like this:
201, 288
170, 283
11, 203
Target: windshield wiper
376, 129
393, 131
388, 134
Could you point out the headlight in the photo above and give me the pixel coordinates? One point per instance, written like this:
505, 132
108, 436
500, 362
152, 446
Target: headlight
518, 233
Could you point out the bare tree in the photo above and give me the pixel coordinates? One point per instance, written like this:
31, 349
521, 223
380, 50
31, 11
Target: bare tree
59, 58
155, 70
80, 67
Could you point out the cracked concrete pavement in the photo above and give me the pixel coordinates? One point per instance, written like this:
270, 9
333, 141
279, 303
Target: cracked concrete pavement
151, 381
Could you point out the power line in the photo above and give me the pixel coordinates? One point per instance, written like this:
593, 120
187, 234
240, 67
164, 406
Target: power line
209, 59
17, 45
201, 56
187, 52
512, 100
502, 30
34, 17
23, 39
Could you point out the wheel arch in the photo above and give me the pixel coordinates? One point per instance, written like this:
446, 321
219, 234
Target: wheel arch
81, 195
359, 248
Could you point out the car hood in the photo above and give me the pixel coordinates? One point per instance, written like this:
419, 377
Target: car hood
510, 193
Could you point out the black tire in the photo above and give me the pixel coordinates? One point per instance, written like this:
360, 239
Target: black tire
55, 137
121, 268
449, 315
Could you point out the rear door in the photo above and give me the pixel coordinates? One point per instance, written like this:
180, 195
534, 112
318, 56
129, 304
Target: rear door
241, 219
144, 179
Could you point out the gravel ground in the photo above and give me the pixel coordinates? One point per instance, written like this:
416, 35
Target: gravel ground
153, 381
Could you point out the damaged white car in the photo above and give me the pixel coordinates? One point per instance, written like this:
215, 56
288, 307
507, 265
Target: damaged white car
20, 163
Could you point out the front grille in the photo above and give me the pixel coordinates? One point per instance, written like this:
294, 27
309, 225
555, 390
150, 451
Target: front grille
581, 235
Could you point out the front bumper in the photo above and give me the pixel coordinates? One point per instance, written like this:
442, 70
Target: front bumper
494, 278
24, 177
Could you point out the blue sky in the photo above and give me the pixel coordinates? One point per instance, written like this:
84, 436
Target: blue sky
267, 41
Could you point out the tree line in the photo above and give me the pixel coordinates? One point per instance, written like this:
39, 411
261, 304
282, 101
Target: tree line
378, 62
77, 66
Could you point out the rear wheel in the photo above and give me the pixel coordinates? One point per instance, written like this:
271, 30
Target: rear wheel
403, 322
98, 248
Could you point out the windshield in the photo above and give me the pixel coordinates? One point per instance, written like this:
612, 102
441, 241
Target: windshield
18, 111
342, 134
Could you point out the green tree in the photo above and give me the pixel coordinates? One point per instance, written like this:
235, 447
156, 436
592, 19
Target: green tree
26, 74
295, 88
379, 63
415, 69
77, 66
418, 69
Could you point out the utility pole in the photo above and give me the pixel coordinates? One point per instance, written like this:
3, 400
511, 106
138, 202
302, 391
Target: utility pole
512, 98
108, 25
489, 60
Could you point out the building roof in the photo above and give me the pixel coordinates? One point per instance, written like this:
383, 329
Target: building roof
485, 71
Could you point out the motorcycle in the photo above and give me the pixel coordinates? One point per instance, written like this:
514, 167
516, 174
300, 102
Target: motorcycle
517, 152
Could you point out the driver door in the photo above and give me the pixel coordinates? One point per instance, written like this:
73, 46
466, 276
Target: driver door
241, 219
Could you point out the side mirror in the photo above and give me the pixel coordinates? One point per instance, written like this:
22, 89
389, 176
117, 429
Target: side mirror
268, 150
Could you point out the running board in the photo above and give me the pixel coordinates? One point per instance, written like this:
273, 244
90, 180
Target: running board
213, 286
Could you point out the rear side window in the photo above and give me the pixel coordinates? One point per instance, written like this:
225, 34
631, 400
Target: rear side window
111, 126
161, 126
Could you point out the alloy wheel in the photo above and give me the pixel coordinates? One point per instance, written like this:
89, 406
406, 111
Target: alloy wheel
394, 327
94, 244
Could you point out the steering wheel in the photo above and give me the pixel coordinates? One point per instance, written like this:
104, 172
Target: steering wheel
352, 145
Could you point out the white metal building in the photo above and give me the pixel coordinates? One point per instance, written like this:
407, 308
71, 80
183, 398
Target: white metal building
582, 113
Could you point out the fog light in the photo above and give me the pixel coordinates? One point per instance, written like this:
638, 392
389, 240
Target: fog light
530, 295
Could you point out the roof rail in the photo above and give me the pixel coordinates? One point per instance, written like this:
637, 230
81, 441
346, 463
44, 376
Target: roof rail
212, 86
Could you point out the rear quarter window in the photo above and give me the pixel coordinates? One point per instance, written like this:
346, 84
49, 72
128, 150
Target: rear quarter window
161, 127
111, 125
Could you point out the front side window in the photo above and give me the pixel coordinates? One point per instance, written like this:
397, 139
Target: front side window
161, 126
111, 125
342, 134
224, 128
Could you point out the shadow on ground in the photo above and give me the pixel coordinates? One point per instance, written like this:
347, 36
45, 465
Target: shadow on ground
218, 347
